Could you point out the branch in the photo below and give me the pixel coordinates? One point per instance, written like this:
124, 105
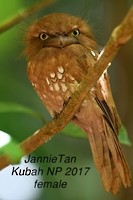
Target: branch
119, 36
24, 14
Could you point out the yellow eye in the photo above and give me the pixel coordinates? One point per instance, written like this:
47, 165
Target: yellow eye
75, 32
43, 36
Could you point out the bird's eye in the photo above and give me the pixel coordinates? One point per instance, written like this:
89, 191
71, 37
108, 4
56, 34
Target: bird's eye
43, 36
75, 32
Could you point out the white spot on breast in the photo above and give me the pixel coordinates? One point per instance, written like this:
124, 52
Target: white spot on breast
93, 53
61, 69
44, 96
93, 89
59, 75
63, 87
56, 87
85, 103
51, 88
109, 64
47, 81
71, 77
52, 75
33, 84
73, 86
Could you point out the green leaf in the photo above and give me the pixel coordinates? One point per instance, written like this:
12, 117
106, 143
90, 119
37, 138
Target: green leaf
73, 130
9, 146
6, 107
123, 136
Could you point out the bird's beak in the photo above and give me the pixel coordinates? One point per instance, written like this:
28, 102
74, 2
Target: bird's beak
60, 41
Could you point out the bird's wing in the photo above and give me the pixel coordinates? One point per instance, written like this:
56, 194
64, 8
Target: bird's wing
114, 161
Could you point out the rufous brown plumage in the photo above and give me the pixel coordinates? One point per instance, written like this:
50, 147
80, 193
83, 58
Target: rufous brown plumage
60, 50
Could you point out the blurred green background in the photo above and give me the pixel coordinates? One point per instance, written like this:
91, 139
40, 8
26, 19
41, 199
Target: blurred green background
15, 87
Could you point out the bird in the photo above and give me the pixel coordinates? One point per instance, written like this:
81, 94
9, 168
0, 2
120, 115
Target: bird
60, 49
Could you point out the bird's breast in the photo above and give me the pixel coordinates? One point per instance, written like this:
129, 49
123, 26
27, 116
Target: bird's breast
55, 75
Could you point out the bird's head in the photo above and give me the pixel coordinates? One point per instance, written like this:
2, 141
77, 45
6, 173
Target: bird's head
57, 30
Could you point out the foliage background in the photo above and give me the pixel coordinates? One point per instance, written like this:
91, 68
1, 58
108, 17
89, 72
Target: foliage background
15, 87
